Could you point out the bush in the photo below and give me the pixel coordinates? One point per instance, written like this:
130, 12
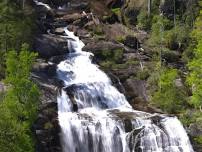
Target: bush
120, 39
144, 21
169, 97
18, 108
159, 25
143, 75
116, 11
170, 56
118, 55
98, 30
177, 38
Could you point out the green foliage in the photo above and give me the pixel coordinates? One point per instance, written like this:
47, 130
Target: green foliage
114, 56
191, 116
169, 97
169, 55
144, 21
194, 79
98, 30
198, 139
159, 25
117, 11
118, 55
177, 37
48, 125
16, 28
14, 134
18, 107
143, 74
120, 39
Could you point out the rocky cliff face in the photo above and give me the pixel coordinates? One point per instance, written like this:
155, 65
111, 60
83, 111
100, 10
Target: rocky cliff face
104, 32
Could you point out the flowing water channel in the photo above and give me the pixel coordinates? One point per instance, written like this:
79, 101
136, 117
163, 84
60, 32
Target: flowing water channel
95, 117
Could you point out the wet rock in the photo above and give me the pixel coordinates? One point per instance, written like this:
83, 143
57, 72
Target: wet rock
116, 82
57, 59
42, 66
47, 130
50, 45
59, 31
44, 11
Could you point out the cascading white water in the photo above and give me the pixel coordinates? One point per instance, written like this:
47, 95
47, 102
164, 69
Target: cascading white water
103, 121
95, 117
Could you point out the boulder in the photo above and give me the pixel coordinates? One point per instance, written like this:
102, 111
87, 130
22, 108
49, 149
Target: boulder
46, 128
136, 89
59, 31
171, 56
116, 31
114, 3
101, 45
69, 18
43, 67
50, 45
57, 59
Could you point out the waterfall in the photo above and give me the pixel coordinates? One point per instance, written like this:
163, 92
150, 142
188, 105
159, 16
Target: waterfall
95, 117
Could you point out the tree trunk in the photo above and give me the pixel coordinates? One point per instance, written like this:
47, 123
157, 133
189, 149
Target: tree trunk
149, 7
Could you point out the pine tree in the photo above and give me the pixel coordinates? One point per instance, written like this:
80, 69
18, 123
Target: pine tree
169, 97
195, 66
15, 28
18, 108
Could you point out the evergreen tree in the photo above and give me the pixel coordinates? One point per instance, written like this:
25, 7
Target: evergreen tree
195, 66
18, 108
15, 28
169, 97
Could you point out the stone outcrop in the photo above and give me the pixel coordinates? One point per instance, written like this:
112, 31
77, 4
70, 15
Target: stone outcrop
50, 45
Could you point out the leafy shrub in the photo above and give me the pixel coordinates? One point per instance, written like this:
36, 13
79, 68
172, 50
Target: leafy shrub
98, 30
143, 75
169, 97
144, 21
118, 55
120, 39
116, 11
18, 108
